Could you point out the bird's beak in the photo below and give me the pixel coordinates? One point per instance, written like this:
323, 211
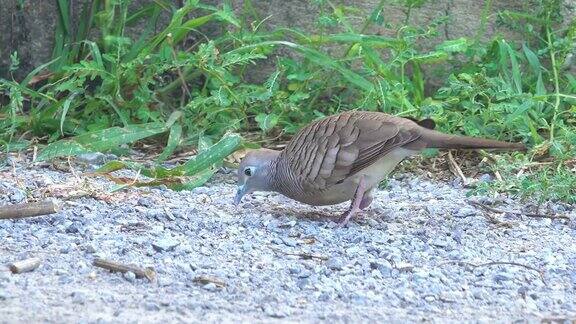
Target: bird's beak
239, 194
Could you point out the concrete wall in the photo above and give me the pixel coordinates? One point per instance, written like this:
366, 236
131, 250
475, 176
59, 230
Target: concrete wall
29, 29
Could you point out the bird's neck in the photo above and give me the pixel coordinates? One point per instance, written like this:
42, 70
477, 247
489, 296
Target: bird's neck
273, 174
281, 176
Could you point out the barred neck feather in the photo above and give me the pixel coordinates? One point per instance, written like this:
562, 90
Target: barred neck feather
282, 178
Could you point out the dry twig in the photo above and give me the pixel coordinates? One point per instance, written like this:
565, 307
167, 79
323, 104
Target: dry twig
533, 215
25, 265
457, 169
496, 263
493, 219
28, 209
210, 279
147, 273
303, 255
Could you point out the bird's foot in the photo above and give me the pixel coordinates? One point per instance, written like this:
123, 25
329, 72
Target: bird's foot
356, 205
346, 217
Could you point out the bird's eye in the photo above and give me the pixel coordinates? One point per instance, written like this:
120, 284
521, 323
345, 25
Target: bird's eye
248, 172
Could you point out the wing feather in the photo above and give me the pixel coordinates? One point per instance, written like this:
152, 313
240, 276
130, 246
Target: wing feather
332, 149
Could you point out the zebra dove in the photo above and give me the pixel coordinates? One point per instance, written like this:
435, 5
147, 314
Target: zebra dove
344, 157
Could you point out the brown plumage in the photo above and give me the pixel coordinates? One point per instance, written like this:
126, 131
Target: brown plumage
344, 157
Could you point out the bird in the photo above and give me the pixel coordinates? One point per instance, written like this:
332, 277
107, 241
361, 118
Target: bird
343, 157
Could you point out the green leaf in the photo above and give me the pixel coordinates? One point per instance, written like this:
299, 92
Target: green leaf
201, 167
181, 31
536, 68
197, 181
61, 148
101, 140
532, 59
173, 141
521, 109
516, 77
173, 118
318, 58
111, 167
215, 154
65, 108
227, 15
432, 57
266, 121
371, 40
454, 46
204, 143
96, 55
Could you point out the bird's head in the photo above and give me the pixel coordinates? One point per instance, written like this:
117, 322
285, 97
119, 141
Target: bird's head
254, 173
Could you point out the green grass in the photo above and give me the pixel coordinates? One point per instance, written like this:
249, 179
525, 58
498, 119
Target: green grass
177, 87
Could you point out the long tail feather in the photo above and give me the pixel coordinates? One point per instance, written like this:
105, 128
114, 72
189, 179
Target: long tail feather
435, 139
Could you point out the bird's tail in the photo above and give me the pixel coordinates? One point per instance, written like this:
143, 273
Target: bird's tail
435, 139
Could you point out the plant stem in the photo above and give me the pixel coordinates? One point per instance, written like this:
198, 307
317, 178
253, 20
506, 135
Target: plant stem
556, 83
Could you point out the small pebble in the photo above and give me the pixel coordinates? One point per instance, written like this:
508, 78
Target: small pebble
165, 244
129, 276
335, 264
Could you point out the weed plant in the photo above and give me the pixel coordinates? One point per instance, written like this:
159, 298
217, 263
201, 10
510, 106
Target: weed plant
105, 88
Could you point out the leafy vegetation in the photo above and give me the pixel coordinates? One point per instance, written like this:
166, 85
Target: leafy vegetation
106, 87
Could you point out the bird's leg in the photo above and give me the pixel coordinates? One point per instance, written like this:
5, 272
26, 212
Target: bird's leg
366, 200
356, 202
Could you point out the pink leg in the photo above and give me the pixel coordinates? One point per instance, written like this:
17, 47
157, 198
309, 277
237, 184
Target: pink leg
366, 200
355, 206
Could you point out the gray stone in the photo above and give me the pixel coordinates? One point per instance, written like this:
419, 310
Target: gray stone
96, 158
146, 201
440, 242
151, 306
275, 311
78, 298
303, 283
404, 267
503, 276
289, 241
73, 228
89, 248
466, 211
165, 244
130, 276
210, 287
335, 263
17, 196
485, 178
385, 268
457, 234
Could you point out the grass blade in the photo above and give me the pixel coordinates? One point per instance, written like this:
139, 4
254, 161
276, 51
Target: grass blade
65, 108
215, 154
173, 141
516, 77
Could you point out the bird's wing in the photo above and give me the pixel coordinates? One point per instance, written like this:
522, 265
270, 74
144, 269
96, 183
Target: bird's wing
332, 149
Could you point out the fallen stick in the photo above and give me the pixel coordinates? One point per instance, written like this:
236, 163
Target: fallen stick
303, 255
147, 273
28, 209
25, 265
210, 279
496, 210
456, 169
497, 263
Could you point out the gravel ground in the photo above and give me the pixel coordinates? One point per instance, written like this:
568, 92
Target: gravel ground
420, 253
